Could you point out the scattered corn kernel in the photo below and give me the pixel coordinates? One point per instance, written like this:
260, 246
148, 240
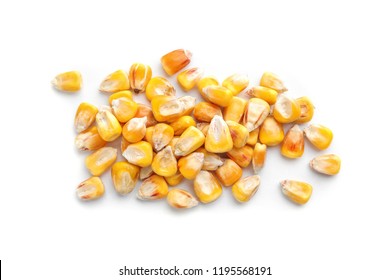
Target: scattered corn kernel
139, 77
307, 109
90, 189
206, 187
164, 163
182, 124
258, 159
203, 126
191, 139
85, 116
149, 134
68, 81
245, 189
100, 160
235, 110
146, 111
114, 82
272, 81
218, 138
134, 130
271, 132
161, 136
239, 134
124, 144
169, 109
228, 173
268, 94
140, 154
205, 82
205, 111
286, 109
181, 199
159, 86
189, 78
146, 172
124, 176
241, 156
108, 126
293, 144
253, 136
298, 192
218, 95
175, 179
89, 140
211, 161
319, 135
153, 188
190, 165
236, 83
326, 164
255, 113
123, 106
175, 60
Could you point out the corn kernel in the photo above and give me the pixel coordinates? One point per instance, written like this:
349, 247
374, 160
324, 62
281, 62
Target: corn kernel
272, 81
69, 81
123, 106
149, 134
134, 130
89, 140
181, 199
100, 160
218, 138
153, 188
239, 134
205, 111
159, 86
140, 154
173, 142
175, 60
205, 82
245, 189
236, 83
190, 165
191, 139
114, 82
255, 113
139, 77
164, 163
235, 110
253, 136
161, 136
267, 94
182, 124
90, 189
169, 109
293, 144
146, 111
307, 109
124, 144
298, 192
175, 179
241, 156
218, 95
146, 172
124, 175
271, 132
211, 161
108, 126
228, 173
206, 187
204, 127
286, 109
258, 159
85, 116
326, 164
189, 78
320, 136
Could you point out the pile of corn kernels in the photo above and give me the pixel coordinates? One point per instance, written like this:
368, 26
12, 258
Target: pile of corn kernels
175, 138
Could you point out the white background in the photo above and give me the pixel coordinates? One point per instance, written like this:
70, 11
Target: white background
337, 53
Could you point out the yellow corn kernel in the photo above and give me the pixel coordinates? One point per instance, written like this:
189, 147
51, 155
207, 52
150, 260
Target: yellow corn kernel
239, 134
139, 76
90, 189
124, 144
190, 165
123, 106
258, 159
100, 160
181, 199
191, 139
146, 111
182, 124
326, 164
293, 144
228, 173
271, 132
205, 82
256, 111
203, 126
89, 140
173, 142
272, 81
149, 134
268, 94
218, 95
159, 86
115, 82
206, 187
218, 138
319, 135
236, 83
189, 78
175, 179
235, 110
85, 116
134, 130
245, 189
161, 136
108, 126
175, 60
298, 192
124, 176
146, 172
169, 109
140, 154
307, 109
253, 136
241, 156
211, 161
69, 81
153, 188
286, 109
164, 163
205, 111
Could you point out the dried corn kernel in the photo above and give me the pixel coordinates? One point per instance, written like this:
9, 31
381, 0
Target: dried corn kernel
319, 135
85, 116
268, 94
218, 138
146, 111
235, 110
124, 176
211, 161
245, 189
205, 82
101, 160
159, 86
153, 188
182, 124
293, 144
140, 154
298, 192
253, 136
173, 142
241, 156
90, 189
161, 136
258, 159
236, 83
239, 134
149, 134
164, 163
255, 113
190, 165
124, 144
169, 109
175, 60
326, 164
271, 132
206, 187
228, 173
189, 78
146, 172
175, 179
191, 139
114, 82
286, 109
205, 111
69, 81
123, 106
272, 81
134, 130
204, 127
307, 109
89, 140
108, 126
218, 95
139, 77
181, 199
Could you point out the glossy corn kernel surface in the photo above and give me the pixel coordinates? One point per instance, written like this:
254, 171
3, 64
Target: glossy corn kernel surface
153, 188
245, 189
159, 86
236, 83
218, 138
134, 130
267, 94
320, 136
89, 140
307, 109
235, 110
286, 109
68, 81
259, 156
178, 198
256, 111
205, 82
140, 154
115, 82
253, 137
161, 136
296, 191
272, 81
189, 78
190, 165
218, 95
293, 144
176, 60
228, 173
241, 156
85, 116
164, 163
146, 172
182, 124
100, 160
146, 111
205, 111
123, 106
239, 134
90, 189
271, 132
139, 77
124, 176
326, 164
211, 161
206, 187
108, 126
175, 179
169, 109
191, 139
